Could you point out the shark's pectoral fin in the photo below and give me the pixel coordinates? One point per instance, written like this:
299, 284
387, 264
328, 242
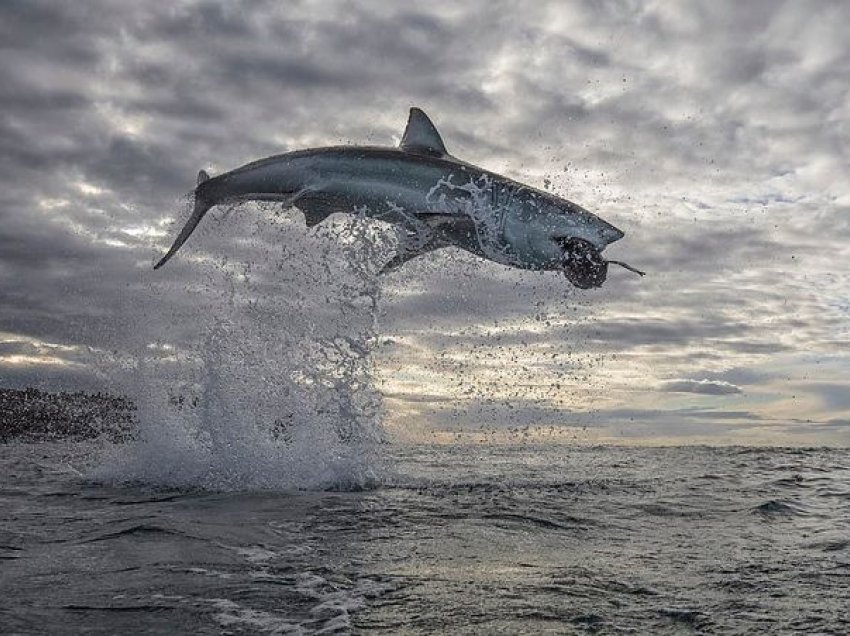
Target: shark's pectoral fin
397, 261
406, 254
313, 203
415, 241
292, 199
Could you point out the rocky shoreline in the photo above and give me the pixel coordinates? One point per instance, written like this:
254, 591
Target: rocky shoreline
32, 415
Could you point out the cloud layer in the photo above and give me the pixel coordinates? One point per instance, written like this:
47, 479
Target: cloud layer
715, 135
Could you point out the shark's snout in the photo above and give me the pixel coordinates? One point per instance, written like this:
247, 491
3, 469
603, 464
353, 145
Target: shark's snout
609, 233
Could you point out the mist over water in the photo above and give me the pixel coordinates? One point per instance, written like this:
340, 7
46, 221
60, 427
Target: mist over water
261, 378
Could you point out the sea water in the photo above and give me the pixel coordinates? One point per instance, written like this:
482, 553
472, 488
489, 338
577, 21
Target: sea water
464, 539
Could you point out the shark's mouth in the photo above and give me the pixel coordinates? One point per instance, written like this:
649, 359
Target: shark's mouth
584, 265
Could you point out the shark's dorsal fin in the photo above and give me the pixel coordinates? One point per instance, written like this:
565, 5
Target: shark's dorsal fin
421, 136
202, 176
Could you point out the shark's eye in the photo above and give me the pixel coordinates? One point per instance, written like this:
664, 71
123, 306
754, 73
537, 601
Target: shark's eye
583, 265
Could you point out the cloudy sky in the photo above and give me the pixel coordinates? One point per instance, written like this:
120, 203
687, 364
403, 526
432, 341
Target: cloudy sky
716, 135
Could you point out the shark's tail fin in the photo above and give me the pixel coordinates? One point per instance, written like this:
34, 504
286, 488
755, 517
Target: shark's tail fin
202, 206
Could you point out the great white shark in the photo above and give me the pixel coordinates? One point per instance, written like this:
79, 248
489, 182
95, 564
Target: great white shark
435, 199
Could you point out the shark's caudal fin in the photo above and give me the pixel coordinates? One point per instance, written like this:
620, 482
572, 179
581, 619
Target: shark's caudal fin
421, 136
201, 208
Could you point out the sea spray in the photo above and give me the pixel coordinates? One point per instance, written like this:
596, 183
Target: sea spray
258, 374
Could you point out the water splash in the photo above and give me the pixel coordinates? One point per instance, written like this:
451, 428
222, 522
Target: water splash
257, 376
483, 202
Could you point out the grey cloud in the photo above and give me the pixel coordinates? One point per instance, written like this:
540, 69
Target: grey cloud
487, 416
703, 387
759, 348
14, 347
836, 396
79, 378
722, 154
502, 414
426, 398
739, 376
638, 332
135, 165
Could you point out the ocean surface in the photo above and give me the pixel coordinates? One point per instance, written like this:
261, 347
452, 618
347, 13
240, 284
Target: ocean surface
465, 539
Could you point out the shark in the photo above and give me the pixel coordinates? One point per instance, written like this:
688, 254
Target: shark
433, 199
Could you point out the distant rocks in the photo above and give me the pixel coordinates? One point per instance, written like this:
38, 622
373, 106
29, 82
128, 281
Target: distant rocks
31, 415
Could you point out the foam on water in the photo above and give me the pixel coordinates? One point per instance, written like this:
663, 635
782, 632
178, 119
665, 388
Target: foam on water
255, 376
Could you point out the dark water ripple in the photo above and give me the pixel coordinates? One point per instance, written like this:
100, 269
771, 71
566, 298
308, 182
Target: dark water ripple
461, 540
